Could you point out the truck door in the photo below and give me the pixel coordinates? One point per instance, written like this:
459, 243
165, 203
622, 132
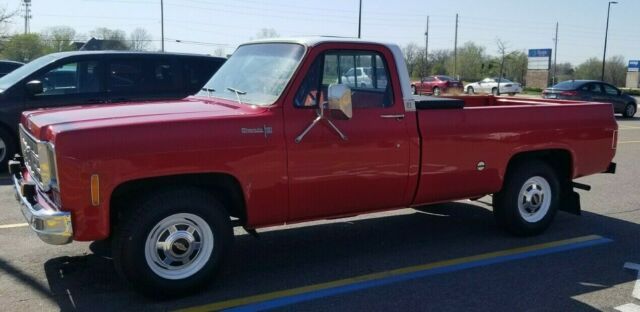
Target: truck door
366, 170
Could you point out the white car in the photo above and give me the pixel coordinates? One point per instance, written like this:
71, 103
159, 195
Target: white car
360, 79
490, 85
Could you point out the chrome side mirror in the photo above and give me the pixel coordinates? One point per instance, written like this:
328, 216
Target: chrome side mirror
339, 96
34, 87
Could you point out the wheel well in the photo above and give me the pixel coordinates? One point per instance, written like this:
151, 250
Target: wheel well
226, 188
560, 160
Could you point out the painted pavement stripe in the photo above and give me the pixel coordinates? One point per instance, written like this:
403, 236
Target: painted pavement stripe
311, 292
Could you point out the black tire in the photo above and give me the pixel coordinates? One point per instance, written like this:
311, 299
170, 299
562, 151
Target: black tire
629, 110
494, 91
139, 224
512, 94
506, 208
436, 91
414, 90
7, 148
470, 90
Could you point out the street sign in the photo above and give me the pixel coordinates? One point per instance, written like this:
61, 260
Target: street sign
539, 59
634, 66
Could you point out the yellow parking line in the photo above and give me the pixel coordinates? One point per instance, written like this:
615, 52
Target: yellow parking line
516, 253
15, 225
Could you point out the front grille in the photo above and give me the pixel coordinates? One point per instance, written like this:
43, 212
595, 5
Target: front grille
30, 154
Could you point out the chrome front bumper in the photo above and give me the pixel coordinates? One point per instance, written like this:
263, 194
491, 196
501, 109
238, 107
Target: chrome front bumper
52, 226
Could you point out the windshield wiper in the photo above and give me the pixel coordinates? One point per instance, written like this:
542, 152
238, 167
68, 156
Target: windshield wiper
209, 90
237, 92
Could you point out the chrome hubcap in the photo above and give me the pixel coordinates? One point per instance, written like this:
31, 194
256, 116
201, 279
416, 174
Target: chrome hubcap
179, 246
436, 91
534, 199
631, 110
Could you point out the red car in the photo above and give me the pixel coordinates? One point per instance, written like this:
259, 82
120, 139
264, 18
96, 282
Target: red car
167, 181
436, 85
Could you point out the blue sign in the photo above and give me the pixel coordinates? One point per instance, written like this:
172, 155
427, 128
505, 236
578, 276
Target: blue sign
634, 64
540, 53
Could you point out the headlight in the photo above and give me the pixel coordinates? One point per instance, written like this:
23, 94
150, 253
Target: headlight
47, 165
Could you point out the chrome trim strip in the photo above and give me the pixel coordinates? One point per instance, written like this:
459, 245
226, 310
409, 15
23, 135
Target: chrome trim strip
52, 226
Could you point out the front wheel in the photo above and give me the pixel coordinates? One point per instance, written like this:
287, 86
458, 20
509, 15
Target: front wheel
7, 148
629, 111
529, 199
436, 91
470, 90
413, 90
494, 91
172, 242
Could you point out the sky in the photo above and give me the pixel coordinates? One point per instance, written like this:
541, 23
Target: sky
203, 26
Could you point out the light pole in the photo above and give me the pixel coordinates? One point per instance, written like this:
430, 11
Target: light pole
162, 25
606, 34
359, 18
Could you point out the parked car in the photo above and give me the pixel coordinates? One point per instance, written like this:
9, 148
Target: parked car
436, 85
96, 77
490, 85
167, 181
8, 66
594, 91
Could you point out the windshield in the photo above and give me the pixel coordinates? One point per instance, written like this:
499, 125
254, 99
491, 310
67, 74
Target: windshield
20, 73
258, 72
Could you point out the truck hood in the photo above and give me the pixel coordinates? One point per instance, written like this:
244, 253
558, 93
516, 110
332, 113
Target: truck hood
39, 121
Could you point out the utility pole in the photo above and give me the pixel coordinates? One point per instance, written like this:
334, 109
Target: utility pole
426, 49
555, 57
27, 15
606, 33
162, 25
359, 19
455, 51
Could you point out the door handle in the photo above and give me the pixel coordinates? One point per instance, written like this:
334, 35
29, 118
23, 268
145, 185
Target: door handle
396, 116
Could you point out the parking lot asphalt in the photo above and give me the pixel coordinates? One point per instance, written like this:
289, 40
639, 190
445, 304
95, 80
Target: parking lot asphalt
446, 257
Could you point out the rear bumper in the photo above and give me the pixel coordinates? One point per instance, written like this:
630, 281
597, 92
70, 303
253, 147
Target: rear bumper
50, 224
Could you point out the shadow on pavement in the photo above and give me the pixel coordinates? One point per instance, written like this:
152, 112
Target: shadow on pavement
284, 259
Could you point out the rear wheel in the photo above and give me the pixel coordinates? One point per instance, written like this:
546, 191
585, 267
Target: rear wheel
172, 242
413, 90
494, 91
470, 90
7, 148
629, 111
529, 199
436, 91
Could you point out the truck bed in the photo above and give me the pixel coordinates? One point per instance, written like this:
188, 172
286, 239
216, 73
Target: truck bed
458, 133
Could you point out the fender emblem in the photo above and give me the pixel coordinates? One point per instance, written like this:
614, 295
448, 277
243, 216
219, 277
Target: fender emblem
265, 130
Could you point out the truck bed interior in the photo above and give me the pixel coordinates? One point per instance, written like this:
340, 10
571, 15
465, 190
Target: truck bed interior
457, 102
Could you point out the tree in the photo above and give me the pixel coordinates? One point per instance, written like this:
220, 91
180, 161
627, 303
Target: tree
140, 40
267, 33
221, 52
615, 71
5, 18
410, 53
440, 61
590, 69
114, 39
24, 47
471, 58
59, 38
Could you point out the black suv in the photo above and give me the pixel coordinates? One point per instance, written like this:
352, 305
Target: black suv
95, 77
8, 66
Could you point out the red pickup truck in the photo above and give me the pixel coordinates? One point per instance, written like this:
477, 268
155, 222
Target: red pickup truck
278, 136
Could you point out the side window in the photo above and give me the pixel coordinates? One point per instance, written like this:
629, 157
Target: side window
610, 90
125, 75
197, 73
164, 76
365, 73
72, 78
